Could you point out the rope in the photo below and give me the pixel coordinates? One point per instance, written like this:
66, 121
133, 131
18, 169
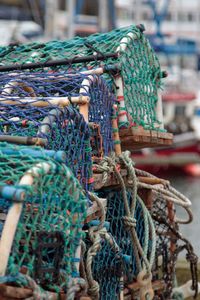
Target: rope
75, 285
38, 293
102, 217
170, 194
96, 234
128, 219
96, 238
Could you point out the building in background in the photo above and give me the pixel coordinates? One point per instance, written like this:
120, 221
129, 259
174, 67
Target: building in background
182, 17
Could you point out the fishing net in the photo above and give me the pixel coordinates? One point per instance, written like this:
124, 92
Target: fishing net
118, 228
41, 198
164, 268
169, 243
127, 48
44, 86
142, 221
54, 128
112, 259
129, 247
104, 265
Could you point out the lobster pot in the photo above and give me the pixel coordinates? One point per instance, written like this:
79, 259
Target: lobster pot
116, 215
54, 128
106, 268
88, 95
42, 208
136, 83
163, 214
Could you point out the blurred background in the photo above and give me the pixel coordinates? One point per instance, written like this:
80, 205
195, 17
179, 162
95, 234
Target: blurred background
173, 28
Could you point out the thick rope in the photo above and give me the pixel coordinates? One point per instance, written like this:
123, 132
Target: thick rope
129, 220
96, 238
75, 285
125, 157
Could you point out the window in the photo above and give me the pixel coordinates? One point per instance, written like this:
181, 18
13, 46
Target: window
190, 17
169, 16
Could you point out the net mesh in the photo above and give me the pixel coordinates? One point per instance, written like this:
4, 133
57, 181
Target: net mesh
60, 128
115, 266
104, 69
107, 268
167, 243
58, 85
49, 229
139, 67
115, 213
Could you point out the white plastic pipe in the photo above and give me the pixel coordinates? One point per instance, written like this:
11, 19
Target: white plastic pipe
186, 289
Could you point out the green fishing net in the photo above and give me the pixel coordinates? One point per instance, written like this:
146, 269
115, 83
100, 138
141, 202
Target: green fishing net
49, 230
137, 63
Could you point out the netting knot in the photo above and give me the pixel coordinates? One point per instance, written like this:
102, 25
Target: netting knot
129, 222
192, 258
94, 289
76, 285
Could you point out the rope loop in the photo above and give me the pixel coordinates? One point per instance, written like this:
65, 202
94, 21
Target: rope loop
129, 222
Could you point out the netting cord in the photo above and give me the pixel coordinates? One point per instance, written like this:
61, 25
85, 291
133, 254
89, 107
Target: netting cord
190, 255
75, 285
129, 220
96, 237
125, 157
96, 234
82, 264
170, 194
38, 293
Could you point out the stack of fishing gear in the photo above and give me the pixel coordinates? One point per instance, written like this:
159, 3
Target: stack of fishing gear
78, 220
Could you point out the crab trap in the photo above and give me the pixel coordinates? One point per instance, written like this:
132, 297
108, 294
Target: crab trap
143, 229
59, 112
72, 118
127, 61
42, 208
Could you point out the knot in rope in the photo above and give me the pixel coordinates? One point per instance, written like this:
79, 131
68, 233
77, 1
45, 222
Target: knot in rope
105, 168
38, 293
94, 290
192, 258
75, 285
129, 222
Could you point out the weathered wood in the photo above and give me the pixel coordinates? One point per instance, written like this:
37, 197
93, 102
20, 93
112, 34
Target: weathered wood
43, 102
152, 181
147, 196
23, 140
112, 181
137, 138
16, 293
156, 285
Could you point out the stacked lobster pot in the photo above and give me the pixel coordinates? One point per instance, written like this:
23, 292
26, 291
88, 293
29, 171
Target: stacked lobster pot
78, 220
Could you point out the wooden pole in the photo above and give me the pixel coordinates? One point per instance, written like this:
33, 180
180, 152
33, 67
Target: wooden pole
116, 138
43, 102
23, 140
14, 213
